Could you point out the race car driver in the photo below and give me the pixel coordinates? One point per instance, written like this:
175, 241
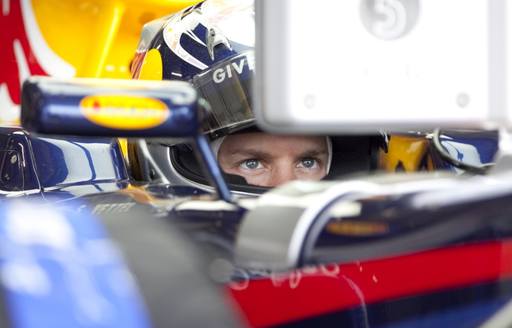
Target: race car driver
269, 160
211, 45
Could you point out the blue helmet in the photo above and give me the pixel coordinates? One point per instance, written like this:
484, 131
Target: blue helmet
210, 45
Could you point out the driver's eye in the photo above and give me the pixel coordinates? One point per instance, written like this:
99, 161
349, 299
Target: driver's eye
308, 163
251, 164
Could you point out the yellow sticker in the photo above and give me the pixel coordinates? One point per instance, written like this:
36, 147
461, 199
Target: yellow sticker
355, 228
124, 112
151, 68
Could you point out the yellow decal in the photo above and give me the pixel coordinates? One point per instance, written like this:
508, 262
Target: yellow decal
353, 228
124, 112
151, 68
405, 153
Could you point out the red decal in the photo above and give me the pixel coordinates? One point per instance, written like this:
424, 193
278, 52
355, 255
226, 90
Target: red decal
13, 32
270, 301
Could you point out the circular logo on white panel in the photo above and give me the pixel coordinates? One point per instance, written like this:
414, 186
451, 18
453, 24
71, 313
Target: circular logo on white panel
389, 19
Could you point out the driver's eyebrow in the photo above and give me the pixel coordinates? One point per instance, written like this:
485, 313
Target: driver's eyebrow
312, 153
249, 153
259, 154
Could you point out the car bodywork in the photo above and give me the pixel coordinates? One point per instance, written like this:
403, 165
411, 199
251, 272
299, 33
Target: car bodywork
376, 251
40, 165
399, 251
380, 253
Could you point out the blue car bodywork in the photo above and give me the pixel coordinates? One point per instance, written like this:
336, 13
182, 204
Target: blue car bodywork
44, 165
405, 250
410, 235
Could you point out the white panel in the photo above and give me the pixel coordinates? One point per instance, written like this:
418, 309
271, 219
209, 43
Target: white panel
395, 64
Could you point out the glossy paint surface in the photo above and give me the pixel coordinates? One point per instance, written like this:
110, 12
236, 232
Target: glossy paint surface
81, 161
409, 222
461, 282
31, 164
356, 289
467, 278
88, 107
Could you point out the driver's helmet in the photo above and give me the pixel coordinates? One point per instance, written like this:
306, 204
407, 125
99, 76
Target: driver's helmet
211, 45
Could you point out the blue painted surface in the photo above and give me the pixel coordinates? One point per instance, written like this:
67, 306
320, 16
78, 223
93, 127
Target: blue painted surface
73, 160
31, 163
461, 317
55, 108
59, 269
101, 169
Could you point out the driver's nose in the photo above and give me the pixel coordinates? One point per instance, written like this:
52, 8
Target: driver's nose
281, 174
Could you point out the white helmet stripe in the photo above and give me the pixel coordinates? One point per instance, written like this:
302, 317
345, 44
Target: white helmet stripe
172, 38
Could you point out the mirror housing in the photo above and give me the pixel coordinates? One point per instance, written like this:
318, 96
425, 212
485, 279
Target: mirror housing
119, 108
109, 107
376, 68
